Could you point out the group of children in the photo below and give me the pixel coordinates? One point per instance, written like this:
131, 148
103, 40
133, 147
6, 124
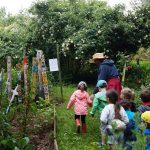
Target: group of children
117, 113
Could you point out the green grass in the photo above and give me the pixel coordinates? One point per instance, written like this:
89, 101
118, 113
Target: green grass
67, 137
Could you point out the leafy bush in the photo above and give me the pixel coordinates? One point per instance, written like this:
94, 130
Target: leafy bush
138, 75
7, 140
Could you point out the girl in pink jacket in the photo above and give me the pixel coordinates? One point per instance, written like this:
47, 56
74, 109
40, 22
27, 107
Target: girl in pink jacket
80, 99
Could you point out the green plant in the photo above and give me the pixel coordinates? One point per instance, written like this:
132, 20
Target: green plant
7, 140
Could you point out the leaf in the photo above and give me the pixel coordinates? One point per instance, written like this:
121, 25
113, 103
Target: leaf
23, 142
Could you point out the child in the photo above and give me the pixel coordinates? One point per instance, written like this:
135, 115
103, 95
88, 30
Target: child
111, 112
80, 99
100, 98
145, 97
128, 94
129, 135
146, 119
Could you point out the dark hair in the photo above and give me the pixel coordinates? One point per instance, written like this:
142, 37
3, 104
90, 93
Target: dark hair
125, 104
127, 93
112, 95
113, 98
145, 96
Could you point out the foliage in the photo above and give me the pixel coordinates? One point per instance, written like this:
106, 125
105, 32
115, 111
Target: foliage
13, 35
7, 140
134, 73
82, 28
143, 54
137, 75
23, 120
79, 27
141, 21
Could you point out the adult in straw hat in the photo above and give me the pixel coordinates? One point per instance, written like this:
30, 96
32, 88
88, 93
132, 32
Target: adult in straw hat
107, 71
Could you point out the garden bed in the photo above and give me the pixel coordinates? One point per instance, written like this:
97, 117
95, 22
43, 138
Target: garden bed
39, 128
43, 140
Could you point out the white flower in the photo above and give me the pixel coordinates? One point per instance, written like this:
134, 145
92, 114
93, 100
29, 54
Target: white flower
99, 31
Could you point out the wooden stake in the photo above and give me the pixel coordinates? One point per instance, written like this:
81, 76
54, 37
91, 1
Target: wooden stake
25, 77
45, 80
34, 81
39, 56
19, 66
55, 141
1, 87
124, 73
60, 79
9, 77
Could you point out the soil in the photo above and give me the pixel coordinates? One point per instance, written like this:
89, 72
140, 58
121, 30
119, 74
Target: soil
44, 139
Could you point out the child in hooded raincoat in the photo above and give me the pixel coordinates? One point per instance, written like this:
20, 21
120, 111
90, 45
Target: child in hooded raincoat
99, 101
80, 99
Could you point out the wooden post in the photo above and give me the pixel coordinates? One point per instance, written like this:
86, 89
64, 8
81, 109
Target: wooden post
25, 77
124, 73
45, 80
60, 79
19, 66
34, 81
1, 87
39, 56
9, 77
26, 98
55, 141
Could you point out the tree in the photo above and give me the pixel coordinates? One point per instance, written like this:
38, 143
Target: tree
14, 35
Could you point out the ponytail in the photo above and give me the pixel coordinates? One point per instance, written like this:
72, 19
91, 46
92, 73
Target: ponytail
113, 98
117, 111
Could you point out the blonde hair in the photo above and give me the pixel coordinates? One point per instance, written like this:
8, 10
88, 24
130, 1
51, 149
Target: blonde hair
127, 94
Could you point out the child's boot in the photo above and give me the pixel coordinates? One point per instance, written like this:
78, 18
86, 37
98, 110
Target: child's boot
78, 125
83, 128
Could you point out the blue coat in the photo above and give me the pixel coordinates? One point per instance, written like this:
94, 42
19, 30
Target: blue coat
107, 70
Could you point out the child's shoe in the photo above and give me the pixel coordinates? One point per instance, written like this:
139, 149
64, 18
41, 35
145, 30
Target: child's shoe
100, 144
78, 125
83, 128
78, 129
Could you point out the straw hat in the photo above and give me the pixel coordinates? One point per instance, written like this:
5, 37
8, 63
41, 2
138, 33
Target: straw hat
97, 56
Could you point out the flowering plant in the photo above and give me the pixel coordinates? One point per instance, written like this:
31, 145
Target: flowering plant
134, 74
